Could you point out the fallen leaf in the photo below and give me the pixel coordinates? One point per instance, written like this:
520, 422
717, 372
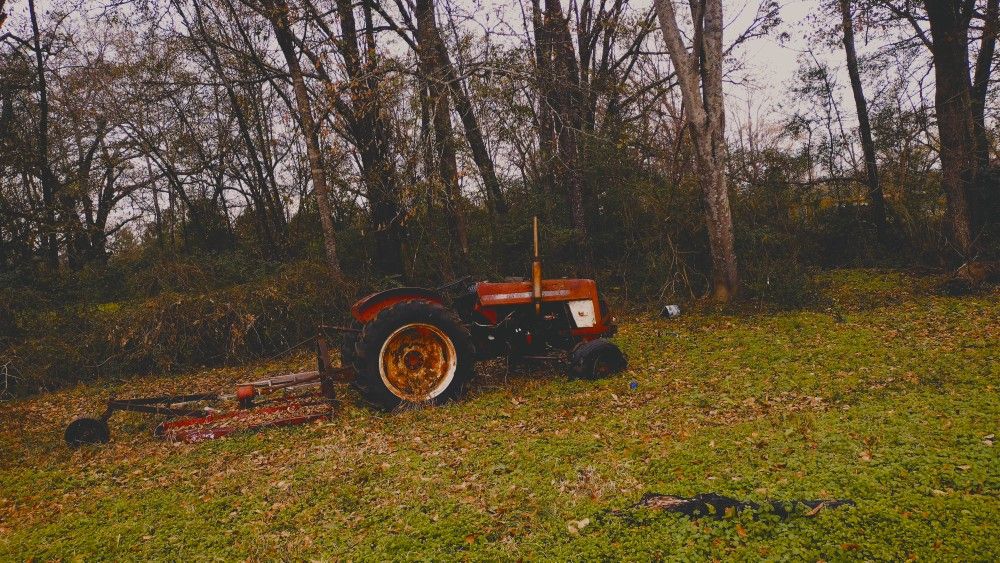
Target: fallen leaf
816, 510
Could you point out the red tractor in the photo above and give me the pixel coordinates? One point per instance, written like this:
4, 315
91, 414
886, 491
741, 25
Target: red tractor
411, 346
420, 346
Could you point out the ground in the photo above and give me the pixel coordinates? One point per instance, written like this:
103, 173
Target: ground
884, 393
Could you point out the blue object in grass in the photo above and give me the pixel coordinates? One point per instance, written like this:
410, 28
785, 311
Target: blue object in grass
633, 385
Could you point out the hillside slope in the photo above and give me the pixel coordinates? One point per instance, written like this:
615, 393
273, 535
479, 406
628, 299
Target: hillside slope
888, 397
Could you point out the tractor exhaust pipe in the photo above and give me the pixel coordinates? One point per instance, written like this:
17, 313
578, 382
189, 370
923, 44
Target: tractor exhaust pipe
536, 271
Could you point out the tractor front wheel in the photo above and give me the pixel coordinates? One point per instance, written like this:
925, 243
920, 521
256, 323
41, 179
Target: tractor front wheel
596, 359
413, 353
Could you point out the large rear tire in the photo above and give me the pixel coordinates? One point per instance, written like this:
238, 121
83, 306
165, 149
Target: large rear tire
413, 353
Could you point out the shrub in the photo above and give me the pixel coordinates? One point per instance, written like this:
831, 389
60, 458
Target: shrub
176, 331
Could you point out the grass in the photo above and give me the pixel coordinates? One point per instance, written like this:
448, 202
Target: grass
888, 397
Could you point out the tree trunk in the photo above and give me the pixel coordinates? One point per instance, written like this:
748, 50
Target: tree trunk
982, 203
706, 121
477, 144
953, 104
279, 20
875, 194
473, 133
546, 127
372, 135
434, 69
568, 101
51, 243
981, 79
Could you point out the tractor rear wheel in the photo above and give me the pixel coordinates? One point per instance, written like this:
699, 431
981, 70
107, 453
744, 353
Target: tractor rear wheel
413, 353
596, 359
348, 354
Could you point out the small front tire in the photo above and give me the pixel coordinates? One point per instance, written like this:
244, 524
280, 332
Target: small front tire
596, 359
86, 431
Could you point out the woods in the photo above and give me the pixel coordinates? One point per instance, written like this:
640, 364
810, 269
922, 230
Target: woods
410, 143
588, 280
374, 89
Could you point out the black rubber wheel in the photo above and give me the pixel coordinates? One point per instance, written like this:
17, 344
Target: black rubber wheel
348, 355
348, 340
414, 353
596, 359
84, 431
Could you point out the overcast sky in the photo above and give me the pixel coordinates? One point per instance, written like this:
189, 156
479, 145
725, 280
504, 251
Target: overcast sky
771, 63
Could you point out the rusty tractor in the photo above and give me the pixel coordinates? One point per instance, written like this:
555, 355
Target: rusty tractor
414, 345
409, 346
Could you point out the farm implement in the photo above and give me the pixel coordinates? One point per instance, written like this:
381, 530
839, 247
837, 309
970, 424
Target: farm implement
284, 400
407, 346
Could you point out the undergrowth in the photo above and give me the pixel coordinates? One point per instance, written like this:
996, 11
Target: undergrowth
171, 330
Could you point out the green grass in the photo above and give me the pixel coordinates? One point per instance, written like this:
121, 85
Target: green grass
887, 398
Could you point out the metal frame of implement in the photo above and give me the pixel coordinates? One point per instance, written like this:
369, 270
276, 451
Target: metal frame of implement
191, 419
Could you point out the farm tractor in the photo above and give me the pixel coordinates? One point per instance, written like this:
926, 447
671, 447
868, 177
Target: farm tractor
416, 346
408, 346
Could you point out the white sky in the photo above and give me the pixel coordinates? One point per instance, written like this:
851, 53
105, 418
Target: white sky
770, 65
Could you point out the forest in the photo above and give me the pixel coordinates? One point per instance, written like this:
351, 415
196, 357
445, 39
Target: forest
153, 152
163, 159
768, 275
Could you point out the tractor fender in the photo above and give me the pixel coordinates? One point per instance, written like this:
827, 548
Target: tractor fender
367, 308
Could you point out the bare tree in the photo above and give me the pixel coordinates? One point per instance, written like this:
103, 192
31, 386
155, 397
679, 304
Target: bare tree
277, 14
949, 23
700, 76
48, 179
435, 70
960, 104
875, 194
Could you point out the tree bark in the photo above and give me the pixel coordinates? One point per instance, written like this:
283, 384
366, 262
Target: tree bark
567, 100
875, 195
45, 169
372, 135
278, 15
473, 133
953, 104
543, 85
706, 122
435, 71
981, 79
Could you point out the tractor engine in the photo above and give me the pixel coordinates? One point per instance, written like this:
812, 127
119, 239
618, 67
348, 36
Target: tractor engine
505, 323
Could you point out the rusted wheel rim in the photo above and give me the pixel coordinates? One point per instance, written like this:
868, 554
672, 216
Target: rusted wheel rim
417, 362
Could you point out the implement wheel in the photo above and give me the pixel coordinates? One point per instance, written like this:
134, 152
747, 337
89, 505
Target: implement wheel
86, 431
413, 353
